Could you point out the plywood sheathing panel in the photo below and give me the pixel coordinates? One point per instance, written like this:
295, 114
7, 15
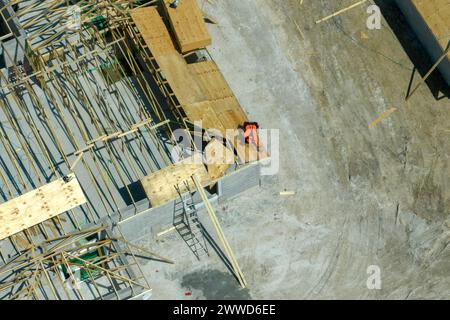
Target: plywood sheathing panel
183, 82
200, 87
39, 205
173, 66
228, 113
218, 159
154, 31
160, 187
220, 114
188, 25
211, 80
436, 14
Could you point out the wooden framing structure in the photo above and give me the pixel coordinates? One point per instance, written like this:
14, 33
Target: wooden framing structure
83, 98
87, 264
82, 102
94, 109
218, 159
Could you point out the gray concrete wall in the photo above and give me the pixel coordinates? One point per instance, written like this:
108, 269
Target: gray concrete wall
239, 181
151, 221
425, 36
147, 222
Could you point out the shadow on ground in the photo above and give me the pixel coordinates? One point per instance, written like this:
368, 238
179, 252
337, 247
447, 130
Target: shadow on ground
215, 285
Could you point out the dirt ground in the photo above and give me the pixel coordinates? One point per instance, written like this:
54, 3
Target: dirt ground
364, 196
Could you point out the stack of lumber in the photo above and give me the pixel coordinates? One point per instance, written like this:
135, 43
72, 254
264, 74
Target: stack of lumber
187, 23
218, 159
201, 91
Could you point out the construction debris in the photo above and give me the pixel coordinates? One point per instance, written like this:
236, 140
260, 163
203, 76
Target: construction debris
287, 193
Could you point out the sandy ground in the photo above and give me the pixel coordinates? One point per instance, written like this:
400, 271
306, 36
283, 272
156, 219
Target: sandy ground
364, 196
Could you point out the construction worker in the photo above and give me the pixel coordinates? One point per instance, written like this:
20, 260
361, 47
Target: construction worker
251, 133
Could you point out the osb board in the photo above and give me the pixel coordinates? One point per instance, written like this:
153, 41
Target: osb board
220, 114
183, 82
202, 111
230, 112
39, 205
218, 159
160, 186
211, 80
436, 14
153, 30
188, 25
220, 97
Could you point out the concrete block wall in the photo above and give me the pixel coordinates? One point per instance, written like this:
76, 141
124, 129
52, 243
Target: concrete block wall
151, 221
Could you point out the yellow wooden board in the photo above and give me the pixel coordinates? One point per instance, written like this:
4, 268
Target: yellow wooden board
228, 113
188, 25
39, 205
220, 114
436, 14
160, 187
153, 30
183, 82
211, 80
218, 159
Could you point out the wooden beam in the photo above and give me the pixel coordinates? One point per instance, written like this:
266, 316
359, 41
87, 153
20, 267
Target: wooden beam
140, 248
341, 11
219, 231
382, 117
